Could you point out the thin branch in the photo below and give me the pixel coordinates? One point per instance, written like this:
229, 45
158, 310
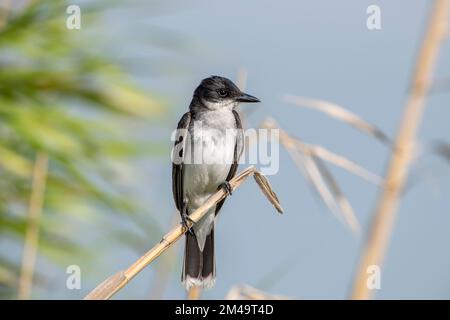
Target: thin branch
32, 232
116, 282
385, 213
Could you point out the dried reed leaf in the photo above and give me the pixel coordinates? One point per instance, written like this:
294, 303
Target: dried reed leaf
318, 176
315, 178
344, 163
305, 165
339, 113
266, 188
344, 204
327, 155
246, 292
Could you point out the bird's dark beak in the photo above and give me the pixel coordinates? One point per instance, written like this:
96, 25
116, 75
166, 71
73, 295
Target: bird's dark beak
247, 98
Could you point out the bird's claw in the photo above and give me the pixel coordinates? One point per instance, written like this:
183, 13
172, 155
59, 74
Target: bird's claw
227, 187
185, 218
184, 222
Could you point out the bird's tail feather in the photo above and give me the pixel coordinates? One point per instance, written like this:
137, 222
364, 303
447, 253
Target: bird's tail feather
199, 269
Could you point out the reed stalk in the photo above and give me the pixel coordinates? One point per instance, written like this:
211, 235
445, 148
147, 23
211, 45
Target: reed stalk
116, 282
33, 220
402, 153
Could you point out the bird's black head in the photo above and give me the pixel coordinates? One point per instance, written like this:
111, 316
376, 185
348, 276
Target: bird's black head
218, 92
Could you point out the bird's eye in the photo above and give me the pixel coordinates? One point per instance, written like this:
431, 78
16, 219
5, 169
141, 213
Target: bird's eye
223, 93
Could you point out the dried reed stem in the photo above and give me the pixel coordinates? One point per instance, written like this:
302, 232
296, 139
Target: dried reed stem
116, 282
32, 232
380, 230
194, 293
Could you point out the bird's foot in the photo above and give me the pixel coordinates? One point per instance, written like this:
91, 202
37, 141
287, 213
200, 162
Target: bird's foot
185, 218
227, 187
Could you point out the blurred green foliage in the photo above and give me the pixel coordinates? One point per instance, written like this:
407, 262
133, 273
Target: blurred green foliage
59, 96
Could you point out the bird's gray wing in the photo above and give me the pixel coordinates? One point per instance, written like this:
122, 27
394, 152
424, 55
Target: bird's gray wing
238, 148
177, 157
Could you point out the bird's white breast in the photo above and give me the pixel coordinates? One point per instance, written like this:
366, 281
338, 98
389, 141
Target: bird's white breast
210, 149
212, 146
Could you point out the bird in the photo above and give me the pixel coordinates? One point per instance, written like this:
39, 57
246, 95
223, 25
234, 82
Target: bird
208, 144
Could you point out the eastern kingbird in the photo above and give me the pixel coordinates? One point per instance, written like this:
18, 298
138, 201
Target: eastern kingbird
207, 148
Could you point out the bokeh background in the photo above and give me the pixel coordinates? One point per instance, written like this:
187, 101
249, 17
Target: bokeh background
102, 101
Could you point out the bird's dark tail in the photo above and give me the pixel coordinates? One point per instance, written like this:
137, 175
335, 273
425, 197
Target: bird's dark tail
199, 268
